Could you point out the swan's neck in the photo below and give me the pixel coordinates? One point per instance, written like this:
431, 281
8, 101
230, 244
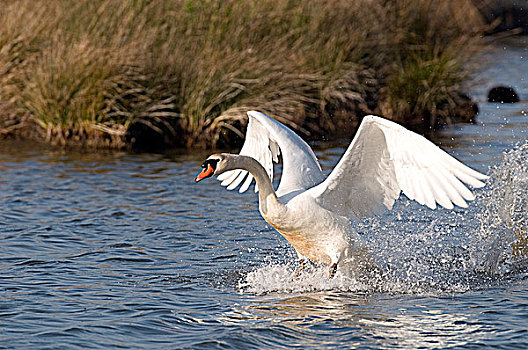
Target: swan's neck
268, 200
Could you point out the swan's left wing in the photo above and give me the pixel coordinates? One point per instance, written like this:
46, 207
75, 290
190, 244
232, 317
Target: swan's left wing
385, 159
266, 139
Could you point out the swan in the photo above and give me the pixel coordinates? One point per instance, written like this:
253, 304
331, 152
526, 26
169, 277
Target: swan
314, 212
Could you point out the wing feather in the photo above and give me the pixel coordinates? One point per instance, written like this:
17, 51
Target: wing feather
454, 188
429, 197
241, 176
385, 159
440, 192
246, 184
229, 176
266, 140
407, 187
420, 193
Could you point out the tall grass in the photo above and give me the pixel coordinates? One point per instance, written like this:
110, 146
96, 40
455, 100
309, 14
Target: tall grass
86, 71
435, 38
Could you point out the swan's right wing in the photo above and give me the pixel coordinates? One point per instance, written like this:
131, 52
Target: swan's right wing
266, 140
385, 159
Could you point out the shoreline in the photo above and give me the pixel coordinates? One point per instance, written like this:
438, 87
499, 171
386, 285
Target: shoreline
155, 75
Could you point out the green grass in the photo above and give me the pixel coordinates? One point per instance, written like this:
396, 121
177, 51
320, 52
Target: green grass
85, 71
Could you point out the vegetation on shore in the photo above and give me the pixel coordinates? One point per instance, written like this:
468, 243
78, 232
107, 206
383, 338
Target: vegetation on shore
111, 73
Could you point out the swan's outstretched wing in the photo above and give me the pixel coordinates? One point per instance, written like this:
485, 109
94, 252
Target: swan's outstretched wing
266, 138
383, 159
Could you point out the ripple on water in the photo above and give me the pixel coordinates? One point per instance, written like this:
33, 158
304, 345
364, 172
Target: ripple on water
125, 251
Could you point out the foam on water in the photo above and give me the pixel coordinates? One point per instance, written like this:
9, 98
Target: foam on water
430, 252
282, 278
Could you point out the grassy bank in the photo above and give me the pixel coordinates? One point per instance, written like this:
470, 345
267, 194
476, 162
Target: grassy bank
109, 73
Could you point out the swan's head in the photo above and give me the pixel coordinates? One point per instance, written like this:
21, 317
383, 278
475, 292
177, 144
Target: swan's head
214, 165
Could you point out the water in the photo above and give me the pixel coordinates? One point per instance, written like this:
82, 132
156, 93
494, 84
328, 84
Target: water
115, 250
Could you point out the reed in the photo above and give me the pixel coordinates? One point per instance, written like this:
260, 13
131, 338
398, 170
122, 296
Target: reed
86, 72
424, 86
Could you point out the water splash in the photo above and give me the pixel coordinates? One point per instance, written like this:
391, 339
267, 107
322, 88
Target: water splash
503, 223
430, 252
283, 278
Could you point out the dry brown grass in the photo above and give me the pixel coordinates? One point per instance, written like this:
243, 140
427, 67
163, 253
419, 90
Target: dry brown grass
82, 72
435, 38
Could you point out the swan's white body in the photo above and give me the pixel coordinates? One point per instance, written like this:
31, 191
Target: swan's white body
313, 212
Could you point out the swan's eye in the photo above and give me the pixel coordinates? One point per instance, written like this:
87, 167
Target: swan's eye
211, 162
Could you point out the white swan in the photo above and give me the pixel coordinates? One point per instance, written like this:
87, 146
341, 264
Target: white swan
313, 212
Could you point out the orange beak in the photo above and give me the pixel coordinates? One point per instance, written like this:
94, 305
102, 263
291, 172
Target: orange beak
206, 172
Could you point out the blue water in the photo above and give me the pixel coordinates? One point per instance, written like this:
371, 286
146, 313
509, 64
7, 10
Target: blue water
117, 250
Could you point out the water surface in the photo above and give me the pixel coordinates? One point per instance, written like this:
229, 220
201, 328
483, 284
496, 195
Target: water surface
116, 250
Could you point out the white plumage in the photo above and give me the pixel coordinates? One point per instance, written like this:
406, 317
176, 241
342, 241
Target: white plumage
313, 212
